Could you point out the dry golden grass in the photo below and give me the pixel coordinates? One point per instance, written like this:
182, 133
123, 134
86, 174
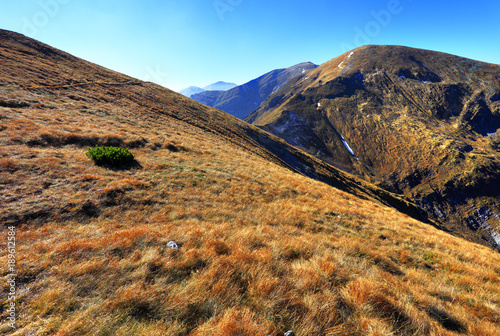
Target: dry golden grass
262, 249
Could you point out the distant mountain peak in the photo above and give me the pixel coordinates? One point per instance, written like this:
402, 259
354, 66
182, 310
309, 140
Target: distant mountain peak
242, 100
218, 86
188, 92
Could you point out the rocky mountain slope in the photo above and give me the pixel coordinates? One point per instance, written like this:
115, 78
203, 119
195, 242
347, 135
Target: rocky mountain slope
419, 123
267, 238
243, 99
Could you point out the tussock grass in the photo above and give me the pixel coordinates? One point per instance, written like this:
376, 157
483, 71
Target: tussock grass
262, 250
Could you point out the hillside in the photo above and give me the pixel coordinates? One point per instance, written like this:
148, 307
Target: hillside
262, 247
243, 99
420, 123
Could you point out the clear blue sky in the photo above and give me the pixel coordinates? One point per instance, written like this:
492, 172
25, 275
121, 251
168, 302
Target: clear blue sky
197, 42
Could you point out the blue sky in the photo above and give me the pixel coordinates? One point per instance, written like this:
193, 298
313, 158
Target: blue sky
197, 42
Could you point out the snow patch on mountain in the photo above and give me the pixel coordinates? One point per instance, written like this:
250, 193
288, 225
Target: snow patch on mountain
348, 147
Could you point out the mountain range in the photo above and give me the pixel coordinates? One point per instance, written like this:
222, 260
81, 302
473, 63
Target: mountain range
219, 227
419, 123
241, 100
368, 106
218, 86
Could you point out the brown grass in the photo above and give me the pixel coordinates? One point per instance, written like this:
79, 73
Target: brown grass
262, 250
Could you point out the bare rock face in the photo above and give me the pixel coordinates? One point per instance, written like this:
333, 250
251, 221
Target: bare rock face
419, 123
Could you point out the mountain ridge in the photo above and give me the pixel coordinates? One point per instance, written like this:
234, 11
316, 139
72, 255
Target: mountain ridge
364, 110
243, 99
217, 86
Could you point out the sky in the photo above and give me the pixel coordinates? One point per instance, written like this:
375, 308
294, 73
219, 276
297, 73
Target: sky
179, 43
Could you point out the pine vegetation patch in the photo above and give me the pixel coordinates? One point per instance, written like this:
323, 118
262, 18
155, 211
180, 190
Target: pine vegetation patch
111, 155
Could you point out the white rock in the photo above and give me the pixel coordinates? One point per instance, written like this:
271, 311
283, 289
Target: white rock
172, 245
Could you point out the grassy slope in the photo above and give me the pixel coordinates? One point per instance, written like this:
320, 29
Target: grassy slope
262, 248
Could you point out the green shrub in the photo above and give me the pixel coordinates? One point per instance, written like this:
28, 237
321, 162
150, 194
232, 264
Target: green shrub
110, 155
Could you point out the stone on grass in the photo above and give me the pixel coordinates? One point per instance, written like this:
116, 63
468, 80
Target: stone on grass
172, 245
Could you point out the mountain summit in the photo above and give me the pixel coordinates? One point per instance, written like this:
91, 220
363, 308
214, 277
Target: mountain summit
219, 86
417, 122
189, 91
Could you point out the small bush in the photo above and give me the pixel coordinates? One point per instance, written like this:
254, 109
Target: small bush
110, 155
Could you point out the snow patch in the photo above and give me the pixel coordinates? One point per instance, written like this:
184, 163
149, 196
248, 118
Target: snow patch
352, 52
348, 147
319, 104
496, 237
340, 65
303, 70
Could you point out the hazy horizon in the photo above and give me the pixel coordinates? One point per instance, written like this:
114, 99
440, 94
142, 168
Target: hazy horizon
196, 43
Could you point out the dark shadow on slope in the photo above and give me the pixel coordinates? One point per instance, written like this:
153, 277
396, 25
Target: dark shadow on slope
126, 166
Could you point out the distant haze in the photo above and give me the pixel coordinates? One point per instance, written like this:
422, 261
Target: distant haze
181, 43
219, 86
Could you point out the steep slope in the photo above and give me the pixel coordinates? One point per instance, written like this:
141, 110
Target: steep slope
243, 99
261, 247
420, 123
144, 101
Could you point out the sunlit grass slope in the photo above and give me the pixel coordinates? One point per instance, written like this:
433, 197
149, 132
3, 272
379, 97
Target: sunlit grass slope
262, 248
